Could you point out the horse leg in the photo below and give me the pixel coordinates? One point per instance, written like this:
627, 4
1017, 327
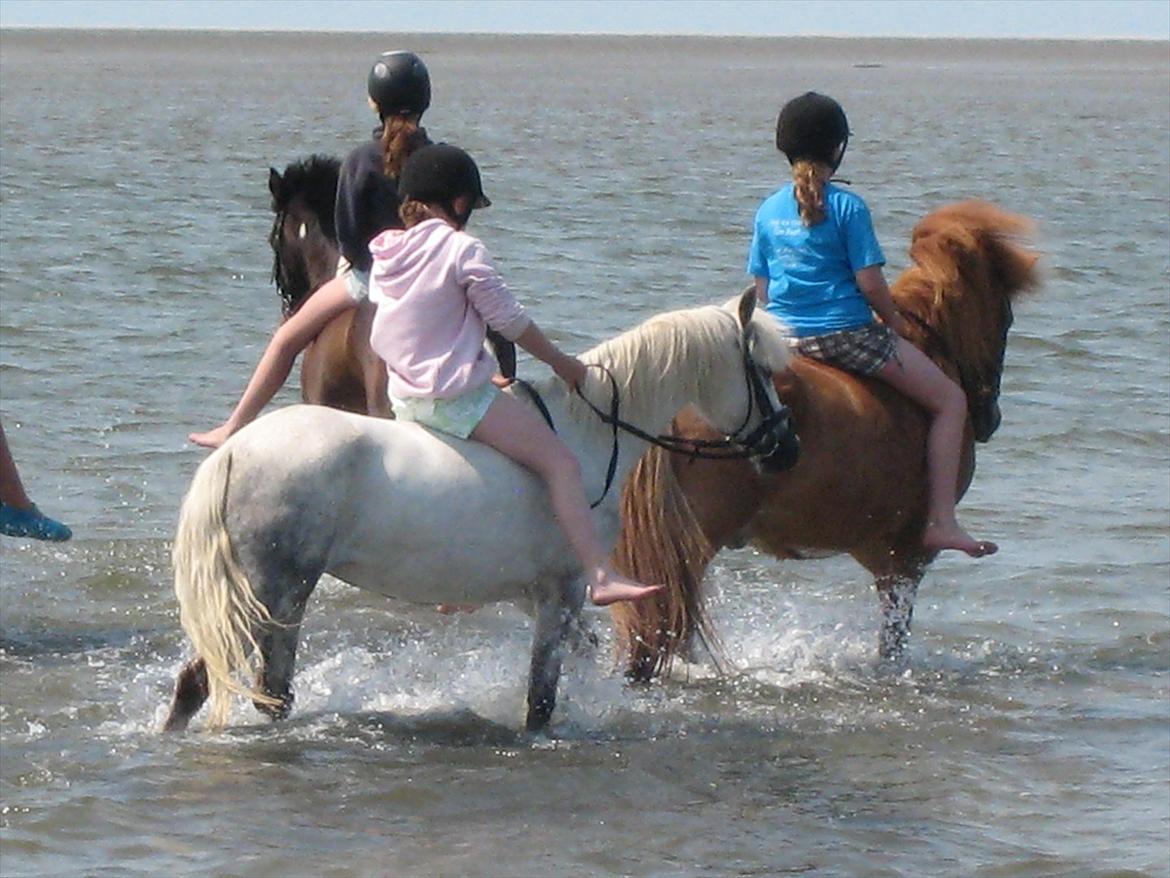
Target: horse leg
278, 652
897, 569
896, 595
280, 636
896, 573
553, 621
190, 693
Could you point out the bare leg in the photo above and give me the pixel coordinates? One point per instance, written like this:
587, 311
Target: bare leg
19, 516
292, 337
12, 491
916, 375
515, 430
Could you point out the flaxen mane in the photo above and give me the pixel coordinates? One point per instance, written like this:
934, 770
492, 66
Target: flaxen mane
664, 342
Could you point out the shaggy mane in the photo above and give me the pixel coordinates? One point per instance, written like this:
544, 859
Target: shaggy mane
667, 342
314, 181
963, 254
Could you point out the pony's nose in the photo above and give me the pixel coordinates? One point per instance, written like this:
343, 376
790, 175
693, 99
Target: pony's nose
985, 421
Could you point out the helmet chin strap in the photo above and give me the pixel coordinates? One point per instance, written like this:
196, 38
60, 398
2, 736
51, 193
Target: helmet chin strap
833, 178
460, 217
841, 152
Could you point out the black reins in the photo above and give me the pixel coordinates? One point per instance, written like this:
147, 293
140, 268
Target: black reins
977, 390
760, 442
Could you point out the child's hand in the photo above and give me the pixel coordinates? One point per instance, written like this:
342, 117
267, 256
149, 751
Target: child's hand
571, 371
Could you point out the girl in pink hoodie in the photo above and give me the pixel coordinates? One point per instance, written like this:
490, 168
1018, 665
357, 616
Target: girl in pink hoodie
436, 293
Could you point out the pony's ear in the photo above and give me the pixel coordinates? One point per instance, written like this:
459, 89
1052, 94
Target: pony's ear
274, 182
747, 306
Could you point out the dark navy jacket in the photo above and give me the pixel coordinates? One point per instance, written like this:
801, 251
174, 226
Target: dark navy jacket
367, 202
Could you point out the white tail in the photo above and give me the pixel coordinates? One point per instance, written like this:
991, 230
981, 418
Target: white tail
217, 607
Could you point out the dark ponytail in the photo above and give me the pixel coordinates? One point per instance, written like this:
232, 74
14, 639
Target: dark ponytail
401, 135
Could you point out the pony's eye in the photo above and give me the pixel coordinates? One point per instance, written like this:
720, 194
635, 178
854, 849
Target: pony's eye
302, 231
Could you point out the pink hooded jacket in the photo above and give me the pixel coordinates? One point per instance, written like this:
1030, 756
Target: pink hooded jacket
436, 292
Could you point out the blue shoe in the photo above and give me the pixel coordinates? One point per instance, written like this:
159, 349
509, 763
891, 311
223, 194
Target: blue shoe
31, 523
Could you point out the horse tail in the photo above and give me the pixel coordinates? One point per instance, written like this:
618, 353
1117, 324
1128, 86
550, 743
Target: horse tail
217, 606
661, 541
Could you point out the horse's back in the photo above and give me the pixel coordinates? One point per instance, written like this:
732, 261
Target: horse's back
405, 511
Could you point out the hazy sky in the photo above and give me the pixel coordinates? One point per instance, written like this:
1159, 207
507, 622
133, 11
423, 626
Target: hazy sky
1076, 19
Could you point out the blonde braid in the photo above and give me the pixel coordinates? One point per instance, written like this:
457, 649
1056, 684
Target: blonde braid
413, 212
810, 178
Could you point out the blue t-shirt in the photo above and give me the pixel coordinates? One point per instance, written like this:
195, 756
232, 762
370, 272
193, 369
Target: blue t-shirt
810, 269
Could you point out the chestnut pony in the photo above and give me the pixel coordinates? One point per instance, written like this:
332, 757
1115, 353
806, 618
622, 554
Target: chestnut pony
860, 484
338, 369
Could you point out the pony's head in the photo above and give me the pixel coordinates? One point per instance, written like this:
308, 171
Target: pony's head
303, 236
971, 260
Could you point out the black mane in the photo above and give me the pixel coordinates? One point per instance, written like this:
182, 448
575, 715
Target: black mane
314, 180
307, 186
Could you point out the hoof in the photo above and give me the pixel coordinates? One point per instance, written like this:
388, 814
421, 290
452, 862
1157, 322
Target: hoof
276, 712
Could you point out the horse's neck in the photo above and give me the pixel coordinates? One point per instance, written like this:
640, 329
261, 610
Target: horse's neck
650, 392
648, 407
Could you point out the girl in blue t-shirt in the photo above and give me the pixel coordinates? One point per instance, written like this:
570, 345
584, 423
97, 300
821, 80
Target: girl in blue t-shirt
817, 266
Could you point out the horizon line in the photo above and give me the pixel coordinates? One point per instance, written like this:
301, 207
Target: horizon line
550, 33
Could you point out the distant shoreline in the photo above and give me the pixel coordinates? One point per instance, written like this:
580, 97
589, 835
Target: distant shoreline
1145, 41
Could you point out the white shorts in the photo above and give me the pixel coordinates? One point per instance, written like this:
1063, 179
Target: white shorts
457, 415
357, 283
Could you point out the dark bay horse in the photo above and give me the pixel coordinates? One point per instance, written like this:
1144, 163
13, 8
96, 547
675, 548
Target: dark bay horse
338, 369
860, 484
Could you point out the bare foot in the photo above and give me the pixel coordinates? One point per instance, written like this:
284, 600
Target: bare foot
212, 438
609, 587
939, 537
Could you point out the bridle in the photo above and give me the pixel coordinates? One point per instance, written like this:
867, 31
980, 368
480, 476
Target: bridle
280, 272
765, 439
981, 391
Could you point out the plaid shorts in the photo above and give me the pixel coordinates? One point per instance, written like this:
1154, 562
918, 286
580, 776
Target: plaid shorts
863, 350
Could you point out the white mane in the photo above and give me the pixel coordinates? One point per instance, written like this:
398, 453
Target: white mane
675, 341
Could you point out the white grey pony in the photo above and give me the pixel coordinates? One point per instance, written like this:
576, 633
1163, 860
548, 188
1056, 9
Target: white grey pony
395, 508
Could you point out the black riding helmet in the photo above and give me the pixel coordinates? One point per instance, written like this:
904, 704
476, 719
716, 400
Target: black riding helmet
399, 84
438, 174
812, 126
